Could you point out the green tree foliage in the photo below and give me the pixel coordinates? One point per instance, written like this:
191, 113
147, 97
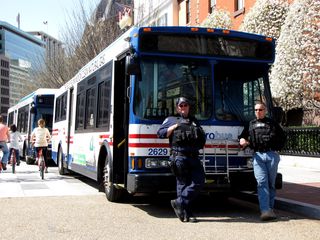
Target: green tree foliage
218, 19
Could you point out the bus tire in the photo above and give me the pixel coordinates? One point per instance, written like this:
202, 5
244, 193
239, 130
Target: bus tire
113, 193
60, 162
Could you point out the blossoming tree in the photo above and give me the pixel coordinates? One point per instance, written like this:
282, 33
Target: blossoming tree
218, 19
295, 77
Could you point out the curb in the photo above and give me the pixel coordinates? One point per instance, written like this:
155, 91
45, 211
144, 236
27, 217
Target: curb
304, 209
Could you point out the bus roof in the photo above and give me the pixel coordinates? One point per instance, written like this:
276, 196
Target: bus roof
114, 50
29, 98
122, 44
202, 30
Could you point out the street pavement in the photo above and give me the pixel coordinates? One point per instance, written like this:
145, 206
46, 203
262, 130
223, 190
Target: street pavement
300, 193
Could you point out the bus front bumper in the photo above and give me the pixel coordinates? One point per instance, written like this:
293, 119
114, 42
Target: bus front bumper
151, 182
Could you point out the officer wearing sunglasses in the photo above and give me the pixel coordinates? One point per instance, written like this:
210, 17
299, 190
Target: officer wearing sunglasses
186, 137
265, 137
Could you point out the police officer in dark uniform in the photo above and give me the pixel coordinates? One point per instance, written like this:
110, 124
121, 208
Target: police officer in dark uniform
186, 137
266, 137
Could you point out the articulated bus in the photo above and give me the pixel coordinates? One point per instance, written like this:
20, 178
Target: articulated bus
107, 116
25, 115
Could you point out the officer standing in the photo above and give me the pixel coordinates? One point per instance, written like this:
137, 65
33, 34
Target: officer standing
186, 137
266, 137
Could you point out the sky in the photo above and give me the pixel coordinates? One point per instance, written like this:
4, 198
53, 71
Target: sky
33, 14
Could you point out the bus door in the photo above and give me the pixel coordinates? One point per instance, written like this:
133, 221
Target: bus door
120, 122
30, 118
70, 120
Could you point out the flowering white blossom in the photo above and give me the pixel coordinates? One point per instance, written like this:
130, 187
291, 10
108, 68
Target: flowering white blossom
218, 19
265, 17
295, 76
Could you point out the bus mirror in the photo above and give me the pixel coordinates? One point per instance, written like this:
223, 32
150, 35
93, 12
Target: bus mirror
32, 110
132, 66
277, 113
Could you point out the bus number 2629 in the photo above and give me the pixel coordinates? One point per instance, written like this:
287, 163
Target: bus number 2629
157, 151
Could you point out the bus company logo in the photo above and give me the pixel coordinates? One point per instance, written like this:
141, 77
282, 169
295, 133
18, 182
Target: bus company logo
87, 70
218, 135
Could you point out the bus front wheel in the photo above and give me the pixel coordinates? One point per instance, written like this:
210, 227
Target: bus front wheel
113, 193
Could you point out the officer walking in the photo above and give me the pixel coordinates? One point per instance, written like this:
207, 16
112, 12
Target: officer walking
186, 137
266, 137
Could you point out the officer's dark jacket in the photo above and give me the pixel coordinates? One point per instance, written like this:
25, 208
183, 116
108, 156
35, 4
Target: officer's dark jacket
264, 135
187, 137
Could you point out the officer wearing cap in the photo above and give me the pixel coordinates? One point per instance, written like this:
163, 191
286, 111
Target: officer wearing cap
186, 137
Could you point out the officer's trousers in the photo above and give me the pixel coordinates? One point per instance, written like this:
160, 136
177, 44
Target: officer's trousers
190, 181
265, 166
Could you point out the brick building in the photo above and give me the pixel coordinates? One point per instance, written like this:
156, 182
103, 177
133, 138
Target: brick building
188, 12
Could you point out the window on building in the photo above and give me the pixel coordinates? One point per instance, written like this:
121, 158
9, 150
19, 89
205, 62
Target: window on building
4, 110
212, 5
4, 73
4, 82
162, 21
4, 91
188, 10
4, 100
238, 7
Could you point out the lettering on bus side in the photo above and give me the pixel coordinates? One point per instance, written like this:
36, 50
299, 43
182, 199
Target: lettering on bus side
217, 135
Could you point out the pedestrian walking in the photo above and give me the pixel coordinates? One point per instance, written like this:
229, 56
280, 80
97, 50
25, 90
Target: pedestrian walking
4, 137
15, 137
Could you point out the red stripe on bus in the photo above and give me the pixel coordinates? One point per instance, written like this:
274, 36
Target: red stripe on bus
166, 145
146, 145
143, 136
104, 136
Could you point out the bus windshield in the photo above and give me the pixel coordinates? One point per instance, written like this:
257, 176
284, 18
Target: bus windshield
236, 89
229, 94
163, 81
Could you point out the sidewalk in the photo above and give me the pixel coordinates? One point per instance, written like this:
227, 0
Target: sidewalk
27, 183
301, 186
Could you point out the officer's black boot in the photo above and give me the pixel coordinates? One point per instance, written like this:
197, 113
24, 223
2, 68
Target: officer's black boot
178, 210
189, 217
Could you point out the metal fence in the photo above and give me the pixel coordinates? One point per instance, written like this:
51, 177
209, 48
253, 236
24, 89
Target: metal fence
302, 142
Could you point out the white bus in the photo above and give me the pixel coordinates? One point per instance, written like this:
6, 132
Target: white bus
107, 116
25, 115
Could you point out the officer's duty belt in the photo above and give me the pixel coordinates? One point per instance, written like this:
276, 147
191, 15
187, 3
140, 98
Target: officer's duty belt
185, 154
263, 150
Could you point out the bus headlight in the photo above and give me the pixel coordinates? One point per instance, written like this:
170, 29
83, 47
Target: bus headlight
249, 163
156, 163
